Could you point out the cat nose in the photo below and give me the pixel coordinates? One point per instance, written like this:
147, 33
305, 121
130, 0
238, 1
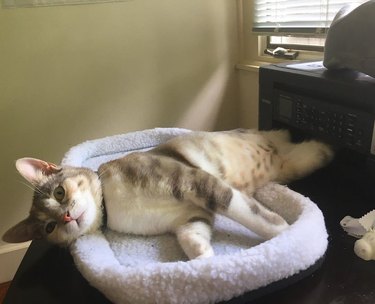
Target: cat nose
67, 218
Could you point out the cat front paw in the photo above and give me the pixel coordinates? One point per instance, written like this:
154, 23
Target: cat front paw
207, 254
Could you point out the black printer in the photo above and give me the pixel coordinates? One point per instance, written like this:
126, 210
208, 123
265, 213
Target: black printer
337, 106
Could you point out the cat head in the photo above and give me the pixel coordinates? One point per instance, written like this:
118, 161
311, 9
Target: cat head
67, 203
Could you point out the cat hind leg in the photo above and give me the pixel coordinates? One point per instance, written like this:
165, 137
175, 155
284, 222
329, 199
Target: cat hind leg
216, 196
194, 238
255, 216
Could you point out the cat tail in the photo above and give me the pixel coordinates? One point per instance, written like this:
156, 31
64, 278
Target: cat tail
301, 159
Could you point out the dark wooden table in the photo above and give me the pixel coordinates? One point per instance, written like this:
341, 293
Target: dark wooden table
47, 273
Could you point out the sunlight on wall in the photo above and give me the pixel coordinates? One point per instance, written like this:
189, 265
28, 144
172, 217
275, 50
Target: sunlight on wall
204, 108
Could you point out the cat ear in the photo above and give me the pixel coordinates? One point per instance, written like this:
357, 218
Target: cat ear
26, 230
34, 169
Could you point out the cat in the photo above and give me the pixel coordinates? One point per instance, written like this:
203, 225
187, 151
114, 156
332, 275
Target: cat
175, 187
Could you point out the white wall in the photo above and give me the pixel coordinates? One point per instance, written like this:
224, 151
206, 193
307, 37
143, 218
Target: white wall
72, 73
250, 58
248, 90
248, 96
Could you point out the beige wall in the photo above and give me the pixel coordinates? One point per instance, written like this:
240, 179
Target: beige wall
248, 90
248, 97
72, 73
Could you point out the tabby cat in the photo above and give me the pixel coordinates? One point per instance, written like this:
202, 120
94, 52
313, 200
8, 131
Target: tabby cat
176, 187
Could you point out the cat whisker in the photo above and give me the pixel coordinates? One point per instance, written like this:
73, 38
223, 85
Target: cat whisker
27, 185
40, 191
33, 187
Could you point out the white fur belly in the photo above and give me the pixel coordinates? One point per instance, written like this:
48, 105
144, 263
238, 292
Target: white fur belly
130, 212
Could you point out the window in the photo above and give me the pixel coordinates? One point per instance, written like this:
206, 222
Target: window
297, 43
296, 24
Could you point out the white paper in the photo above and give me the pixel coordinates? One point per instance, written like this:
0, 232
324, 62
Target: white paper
307, 66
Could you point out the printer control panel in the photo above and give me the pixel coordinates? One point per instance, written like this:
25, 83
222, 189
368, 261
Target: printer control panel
336, 123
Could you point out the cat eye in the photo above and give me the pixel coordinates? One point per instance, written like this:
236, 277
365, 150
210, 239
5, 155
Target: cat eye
59, 193
50, 227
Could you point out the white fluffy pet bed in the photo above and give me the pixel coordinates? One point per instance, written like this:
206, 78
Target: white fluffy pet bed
136, 269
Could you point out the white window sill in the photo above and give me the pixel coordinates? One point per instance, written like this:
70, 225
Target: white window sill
253, 65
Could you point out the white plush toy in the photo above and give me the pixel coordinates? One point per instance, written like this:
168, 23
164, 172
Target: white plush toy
365, 247
364, 229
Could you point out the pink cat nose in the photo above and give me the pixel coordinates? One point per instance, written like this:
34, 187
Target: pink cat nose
67, 218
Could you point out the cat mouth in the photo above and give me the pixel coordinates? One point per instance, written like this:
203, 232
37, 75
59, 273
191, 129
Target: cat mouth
68, 218
79, 219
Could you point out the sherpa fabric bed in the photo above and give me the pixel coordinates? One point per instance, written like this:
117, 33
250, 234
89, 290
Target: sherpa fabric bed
153, 269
